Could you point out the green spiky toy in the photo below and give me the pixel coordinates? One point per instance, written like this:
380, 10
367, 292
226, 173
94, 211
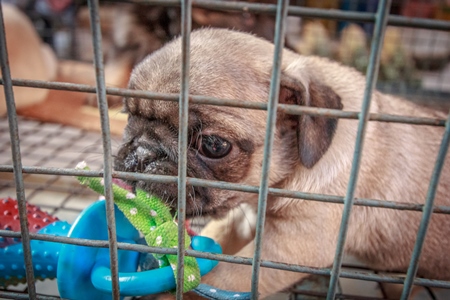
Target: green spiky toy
153, 219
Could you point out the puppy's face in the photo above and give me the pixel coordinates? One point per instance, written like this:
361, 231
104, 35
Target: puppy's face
224, 143
220, 147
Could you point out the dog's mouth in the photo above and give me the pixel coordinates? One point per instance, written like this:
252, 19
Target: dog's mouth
213, 212
132, 188
200, 201
124, 185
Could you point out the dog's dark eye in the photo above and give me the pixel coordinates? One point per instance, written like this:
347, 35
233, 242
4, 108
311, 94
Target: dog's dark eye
213, 146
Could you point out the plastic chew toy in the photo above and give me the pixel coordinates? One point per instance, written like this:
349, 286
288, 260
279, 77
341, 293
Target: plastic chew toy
153, 219
83, 272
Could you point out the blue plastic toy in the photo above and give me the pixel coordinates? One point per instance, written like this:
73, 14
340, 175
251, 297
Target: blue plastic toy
83, 272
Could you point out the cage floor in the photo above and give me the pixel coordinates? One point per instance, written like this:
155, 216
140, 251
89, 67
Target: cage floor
54, 145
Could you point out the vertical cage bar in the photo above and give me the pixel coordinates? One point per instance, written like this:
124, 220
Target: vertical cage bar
16, 158
106, 138
371, 77
427, 212
186, 20
280, 29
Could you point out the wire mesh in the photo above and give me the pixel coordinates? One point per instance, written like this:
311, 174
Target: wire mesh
47, 154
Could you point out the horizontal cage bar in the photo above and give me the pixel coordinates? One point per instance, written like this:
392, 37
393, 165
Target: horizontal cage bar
286, 108
231, 259
332, 14
230, 186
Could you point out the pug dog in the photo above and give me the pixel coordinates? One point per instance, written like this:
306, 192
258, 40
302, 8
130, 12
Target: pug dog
311, 154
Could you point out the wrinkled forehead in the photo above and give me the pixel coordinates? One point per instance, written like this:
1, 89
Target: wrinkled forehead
224, 67
201, 117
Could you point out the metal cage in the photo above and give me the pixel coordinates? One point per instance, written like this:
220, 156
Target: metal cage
380, 19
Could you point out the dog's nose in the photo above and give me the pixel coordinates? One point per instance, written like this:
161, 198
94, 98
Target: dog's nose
139, 159
145, 158
144, 153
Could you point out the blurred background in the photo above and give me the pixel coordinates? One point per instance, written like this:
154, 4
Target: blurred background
50, 40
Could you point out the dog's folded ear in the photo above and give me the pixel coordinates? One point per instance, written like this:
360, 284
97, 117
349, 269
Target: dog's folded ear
314, 133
